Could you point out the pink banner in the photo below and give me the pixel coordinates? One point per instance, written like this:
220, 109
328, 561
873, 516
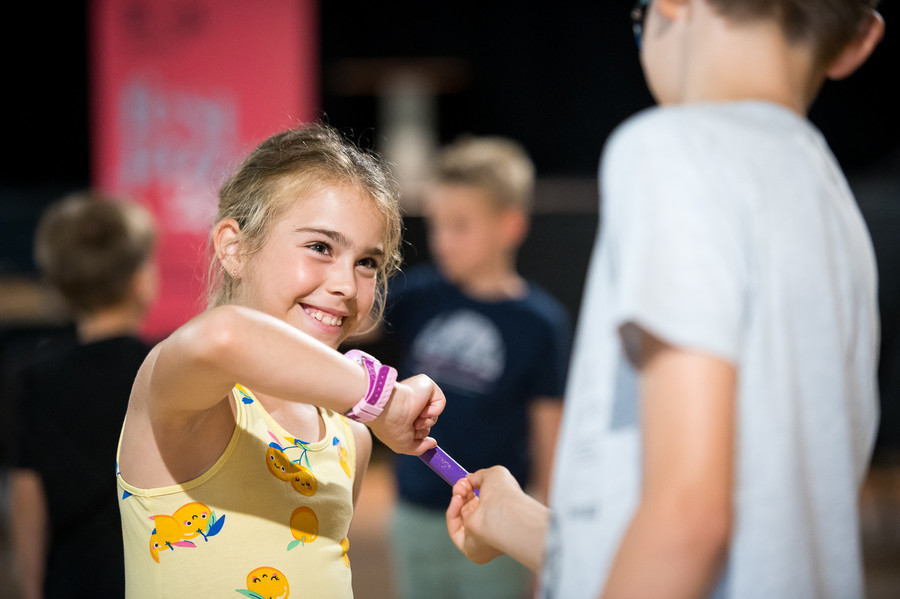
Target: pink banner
181, 90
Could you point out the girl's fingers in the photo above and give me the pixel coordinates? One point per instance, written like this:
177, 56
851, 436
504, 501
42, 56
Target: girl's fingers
424, 423
421, 446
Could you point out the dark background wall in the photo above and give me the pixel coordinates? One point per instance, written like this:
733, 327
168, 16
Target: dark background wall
558, 77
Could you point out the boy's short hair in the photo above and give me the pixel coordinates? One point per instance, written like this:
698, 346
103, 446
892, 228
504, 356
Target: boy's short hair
89, 246
499, 165
828, 24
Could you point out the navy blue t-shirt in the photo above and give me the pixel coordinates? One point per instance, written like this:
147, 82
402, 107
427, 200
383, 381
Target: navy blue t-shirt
491, 359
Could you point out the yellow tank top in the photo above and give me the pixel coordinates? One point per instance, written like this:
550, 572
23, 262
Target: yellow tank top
269, 519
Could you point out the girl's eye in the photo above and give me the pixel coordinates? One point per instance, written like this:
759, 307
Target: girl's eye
320, 248
370, 263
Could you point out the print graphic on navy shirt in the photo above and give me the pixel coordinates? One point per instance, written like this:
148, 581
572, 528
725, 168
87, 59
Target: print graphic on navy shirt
463, 349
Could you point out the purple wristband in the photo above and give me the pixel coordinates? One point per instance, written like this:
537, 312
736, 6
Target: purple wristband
444, 466
381, 384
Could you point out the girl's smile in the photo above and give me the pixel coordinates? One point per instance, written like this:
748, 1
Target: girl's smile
324, 317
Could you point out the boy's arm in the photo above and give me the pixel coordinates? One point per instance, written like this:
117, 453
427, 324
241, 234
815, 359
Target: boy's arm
28, 525
677, 541
504, 519
544, 414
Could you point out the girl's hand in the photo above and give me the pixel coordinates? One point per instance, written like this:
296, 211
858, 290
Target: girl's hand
409, 414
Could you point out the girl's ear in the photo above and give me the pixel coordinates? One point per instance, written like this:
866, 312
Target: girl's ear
858, 50
227, 243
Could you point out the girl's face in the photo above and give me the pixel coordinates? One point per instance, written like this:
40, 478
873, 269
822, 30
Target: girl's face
317, 269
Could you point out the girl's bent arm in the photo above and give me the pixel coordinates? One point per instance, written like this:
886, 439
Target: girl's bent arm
190, 373
199, 363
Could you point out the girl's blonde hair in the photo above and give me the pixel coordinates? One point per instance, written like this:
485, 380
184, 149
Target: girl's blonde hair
302, 159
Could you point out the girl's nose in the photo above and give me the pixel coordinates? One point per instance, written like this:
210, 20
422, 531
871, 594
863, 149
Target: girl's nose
342, 280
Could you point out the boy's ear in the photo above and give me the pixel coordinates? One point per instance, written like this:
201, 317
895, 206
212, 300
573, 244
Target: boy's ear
226, 240
858, 50
669, 8
514, 226
145, 284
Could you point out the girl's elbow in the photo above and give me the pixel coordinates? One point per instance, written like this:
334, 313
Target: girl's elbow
210, 338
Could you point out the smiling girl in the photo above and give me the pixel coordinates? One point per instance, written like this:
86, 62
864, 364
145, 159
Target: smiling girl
247, 412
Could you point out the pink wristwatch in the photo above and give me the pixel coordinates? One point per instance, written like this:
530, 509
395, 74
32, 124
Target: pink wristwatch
381, 384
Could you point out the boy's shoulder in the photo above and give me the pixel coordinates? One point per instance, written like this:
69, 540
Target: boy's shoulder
417, 275
546, 303
66, 356
37, 348
422, 277
693, 119
710, 131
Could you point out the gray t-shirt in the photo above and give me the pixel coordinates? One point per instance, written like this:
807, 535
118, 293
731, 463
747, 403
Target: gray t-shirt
728, 229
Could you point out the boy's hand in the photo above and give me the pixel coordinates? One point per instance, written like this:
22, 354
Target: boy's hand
468, 515
501, 519
409, 414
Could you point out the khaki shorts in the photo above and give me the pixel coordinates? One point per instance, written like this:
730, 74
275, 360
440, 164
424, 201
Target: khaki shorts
429, 566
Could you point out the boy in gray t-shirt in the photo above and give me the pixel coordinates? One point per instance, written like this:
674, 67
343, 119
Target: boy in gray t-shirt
722, 402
